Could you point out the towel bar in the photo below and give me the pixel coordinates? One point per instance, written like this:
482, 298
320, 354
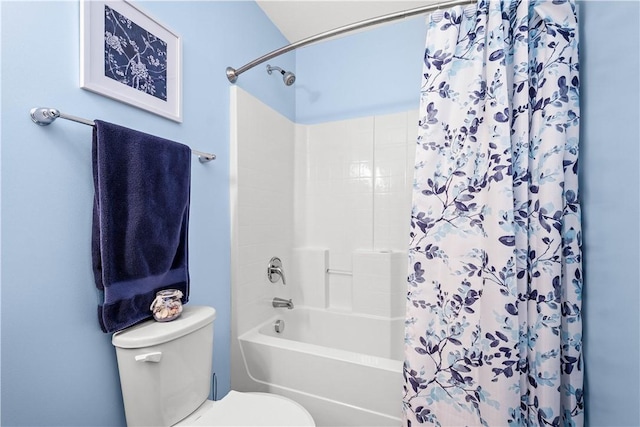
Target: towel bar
46, 116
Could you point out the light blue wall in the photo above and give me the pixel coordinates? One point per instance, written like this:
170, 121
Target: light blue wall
376, 71
356, 76
610, 71
58, 368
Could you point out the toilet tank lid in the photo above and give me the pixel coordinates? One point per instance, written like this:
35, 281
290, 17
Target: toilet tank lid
151, 333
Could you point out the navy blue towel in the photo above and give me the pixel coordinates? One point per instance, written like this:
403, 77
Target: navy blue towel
140, 221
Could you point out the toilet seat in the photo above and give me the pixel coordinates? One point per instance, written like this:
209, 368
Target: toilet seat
249, 409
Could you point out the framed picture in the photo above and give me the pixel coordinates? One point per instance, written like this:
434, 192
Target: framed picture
129, 56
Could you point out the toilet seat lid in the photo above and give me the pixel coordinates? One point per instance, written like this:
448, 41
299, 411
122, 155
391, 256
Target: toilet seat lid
250, 409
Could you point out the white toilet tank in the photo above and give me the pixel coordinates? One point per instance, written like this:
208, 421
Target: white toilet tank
165, 368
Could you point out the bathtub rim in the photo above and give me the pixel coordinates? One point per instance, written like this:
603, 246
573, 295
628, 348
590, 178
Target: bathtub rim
254, 335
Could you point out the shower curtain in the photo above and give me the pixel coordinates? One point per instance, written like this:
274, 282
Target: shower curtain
493, 332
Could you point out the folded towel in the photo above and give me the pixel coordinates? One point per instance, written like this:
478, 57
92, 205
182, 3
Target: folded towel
140, 221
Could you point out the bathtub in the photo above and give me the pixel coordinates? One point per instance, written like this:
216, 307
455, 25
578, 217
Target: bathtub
346, 369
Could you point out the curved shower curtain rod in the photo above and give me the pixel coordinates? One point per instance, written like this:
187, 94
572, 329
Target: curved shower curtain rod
232, 73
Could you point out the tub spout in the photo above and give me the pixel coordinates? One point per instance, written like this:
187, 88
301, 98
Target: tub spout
282, 303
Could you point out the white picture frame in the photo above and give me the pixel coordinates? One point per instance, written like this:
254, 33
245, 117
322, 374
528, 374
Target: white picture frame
129, 56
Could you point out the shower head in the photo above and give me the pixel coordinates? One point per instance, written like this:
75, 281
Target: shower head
287, 76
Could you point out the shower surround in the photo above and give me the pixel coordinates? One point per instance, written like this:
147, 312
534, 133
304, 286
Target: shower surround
331, 196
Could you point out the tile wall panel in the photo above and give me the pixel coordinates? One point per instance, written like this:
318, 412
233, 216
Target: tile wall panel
353, 192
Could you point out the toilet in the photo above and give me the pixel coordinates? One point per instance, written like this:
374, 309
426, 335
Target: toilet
165, 376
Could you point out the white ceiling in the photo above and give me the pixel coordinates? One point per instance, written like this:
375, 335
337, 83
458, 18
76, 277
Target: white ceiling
298, 19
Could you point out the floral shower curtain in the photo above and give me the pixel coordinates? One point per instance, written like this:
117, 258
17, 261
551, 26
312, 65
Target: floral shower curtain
493, 332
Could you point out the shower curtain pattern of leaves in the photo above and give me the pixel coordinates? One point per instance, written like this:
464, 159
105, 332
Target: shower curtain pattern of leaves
493, 333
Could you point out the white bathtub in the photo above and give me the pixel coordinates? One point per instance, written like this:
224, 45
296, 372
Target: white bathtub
346, 369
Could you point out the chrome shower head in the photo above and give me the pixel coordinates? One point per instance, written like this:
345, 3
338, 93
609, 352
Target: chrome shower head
287, 76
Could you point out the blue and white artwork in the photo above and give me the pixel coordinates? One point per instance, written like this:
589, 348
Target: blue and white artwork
133, 56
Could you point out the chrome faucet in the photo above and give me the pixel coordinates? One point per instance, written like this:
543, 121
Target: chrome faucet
282, 303
274, 270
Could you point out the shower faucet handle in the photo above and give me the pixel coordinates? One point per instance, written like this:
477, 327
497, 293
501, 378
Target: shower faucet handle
274, 270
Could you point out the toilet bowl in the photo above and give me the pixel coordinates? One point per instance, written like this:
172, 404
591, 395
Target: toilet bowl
165, 372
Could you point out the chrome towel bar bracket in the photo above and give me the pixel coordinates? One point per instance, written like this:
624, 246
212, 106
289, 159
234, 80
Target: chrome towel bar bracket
46, 116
